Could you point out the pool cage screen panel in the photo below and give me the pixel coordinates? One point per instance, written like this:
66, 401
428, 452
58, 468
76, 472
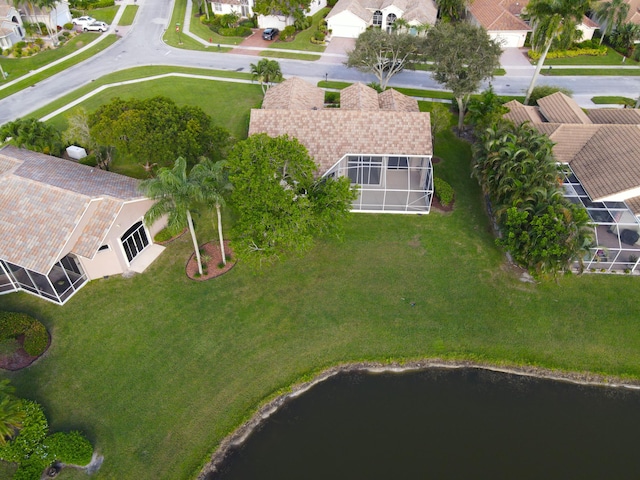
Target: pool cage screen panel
395, 184
616, 230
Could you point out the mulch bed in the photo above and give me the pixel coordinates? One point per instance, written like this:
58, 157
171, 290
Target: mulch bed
20, 359
436, 205
212, 249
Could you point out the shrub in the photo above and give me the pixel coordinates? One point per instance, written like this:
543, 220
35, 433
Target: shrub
31, 469
573, 52
101, 4
443, 191
28, 441
38, 41
89, 160
72, 447
319, 36
164, 235
13, 324
331, 97
287, 33
68, 26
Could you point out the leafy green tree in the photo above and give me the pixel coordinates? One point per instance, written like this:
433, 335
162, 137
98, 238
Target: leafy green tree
279, 204
280, 7
266, 72
542, 91
549, 19
383, 54
156, 130
176, 195
625, 36
610, 15
463, 56
213, 181
77, 131
33, 135
440, 119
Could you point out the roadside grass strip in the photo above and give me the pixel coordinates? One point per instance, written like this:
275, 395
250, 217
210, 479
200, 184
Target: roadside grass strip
129, 15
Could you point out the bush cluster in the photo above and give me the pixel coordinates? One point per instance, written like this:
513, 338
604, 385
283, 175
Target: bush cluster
91, 4
287, 33
575, 51
71, 448
443, 191
227, 25
13, 324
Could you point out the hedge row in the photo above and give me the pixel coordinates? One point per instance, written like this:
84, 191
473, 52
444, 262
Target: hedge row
594, 52
443, 191
13, 324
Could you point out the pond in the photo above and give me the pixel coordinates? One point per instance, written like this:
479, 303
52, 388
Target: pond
444, 423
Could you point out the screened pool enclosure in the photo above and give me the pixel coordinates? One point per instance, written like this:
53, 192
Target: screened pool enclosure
393, 184
616, 230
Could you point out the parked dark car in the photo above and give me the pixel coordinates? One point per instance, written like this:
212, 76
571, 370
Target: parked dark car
270, 33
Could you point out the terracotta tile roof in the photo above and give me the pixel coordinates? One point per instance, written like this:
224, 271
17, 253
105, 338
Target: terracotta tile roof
359, 97
559, 108
330, 134
421, 11
44, 199
634, 205
608, 163
499, 15
619, 116
294, 94
97, 227
570, 139
354, 6
519, 113
393, 100
424, 13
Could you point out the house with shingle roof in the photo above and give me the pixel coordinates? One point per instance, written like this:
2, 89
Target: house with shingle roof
64, 224
600, 152
11, 26
382, 142
349, 18
504, 23
244, 9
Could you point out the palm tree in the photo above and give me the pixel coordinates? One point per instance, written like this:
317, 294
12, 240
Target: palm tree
451, 9
11, 416
176, 193
610, 15
47, 5
550, 18
624, 36
214, 184
266, 71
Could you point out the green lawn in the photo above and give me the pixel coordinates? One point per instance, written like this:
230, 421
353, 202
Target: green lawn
611, 58
604, 100
171, 37
590, 71
106, 14
157, 369
129, 15
294, 56
302, 40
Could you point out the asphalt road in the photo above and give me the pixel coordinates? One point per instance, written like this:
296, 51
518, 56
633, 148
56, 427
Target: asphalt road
143, 45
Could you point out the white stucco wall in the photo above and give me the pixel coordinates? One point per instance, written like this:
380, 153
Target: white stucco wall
346, 24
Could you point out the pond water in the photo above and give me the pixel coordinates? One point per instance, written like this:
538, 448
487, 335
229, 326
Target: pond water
445, 423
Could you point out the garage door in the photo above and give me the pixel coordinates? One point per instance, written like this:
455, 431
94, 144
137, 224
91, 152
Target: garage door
508, 40
348, 31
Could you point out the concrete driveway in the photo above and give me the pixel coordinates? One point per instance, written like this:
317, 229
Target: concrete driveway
253, 44
336, 51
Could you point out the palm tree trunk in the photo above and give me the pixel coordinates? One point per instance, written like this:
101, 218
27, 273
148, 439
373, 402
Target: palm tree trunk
195, 241
206, 9
460, 101
537, 72
224, 256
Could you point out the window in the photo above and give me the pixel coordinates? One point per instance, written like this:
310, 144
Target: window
134, 241
377, 18
103, 247
398, 163
365, 170
391, 19
217, 7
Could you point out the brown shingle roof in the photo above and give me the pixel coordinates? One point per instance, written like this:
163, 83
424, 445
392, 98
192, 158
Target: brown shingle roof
422, 11
294, 94
393, 100
97, 227
500, 15
570, 139
330, 134
359, 97
519, 113
559, 108
619, 116
634, 205
44, 199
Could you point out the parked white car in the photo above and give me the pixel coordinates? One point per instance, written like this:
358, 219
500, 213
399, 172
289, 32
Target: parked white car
96, 27
82, 21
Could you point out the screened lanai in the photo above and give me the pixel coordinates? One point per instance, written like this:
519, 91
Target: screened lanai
393, 184
616, 230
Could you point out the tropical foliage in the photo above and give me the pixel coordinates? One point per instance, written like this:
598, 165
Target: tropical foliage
542, 230
624, 37
279, 204
485, 110
11, 416
463, 56
542, 91
266, 72
33, 135
610, 15
280, 7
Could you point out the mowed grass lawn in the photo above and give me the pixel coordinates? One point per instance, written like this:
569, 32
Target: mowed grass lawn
157, 369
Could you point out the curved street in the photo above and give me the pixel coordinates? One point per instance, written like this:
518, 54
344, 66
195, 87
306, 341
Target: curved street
142, 45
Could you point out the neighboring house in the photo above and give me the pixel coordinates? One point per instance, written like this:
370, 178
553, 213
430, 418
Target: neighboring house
11, 27
633, 15
382, 142
244, 8
349, 18
53, 17
601, 153
503, 22
64, 224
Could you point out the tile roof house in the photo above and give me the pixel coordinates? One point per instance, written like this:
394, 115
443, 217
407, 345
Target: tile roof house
244, 8
11, 26
382, 142
349, 18
64, 224
601, 153
503, 22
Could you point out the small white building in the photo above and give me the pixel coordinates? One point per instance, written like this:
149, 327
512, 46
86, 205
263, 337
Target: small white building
11, 26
